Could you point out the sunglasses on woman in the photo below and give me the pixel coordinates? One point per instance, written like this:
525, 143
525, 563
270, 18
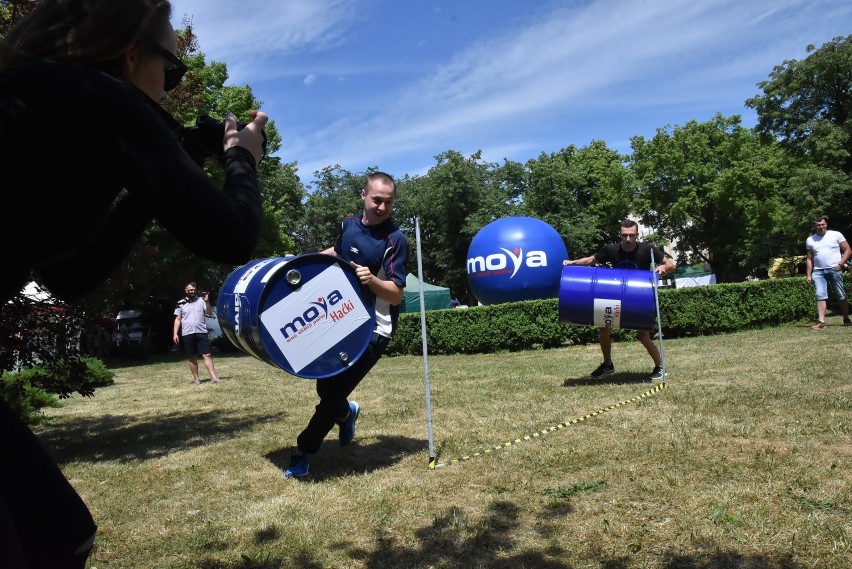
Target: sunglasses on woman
175, 72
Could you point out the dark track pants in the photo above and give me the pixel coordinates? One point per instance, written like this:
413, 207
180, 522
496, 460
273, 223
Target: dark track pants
334, 391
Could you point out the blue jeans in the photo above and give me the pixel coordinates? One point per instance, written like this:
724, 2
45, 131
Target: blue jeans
822, 277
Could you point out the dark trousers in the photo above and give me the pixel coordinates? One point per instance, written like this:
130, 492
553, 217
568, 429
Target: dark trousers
334, 392
43, 520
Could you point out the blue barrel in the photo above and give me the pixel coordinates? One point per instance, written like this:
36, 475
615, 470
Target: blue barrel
607, 298
306, 314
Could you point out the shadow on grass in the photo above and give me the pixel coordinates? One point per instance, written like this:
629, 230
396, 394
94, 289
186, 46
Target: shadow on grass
117, 437
630, 378
457, 539
334, 461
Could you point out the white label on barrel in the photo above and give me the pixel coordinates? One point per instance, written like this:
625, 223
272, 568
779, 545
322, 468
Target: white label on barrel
245, 279
607, 313
315, 317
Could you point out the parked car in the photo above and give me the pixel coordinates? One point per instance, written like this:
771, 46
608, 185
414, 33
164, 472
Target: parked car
142, 331
129, 328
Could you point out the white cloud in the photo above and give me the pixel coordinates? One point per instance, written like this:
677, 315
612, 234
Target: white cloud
244, 33
580, 58
514, 87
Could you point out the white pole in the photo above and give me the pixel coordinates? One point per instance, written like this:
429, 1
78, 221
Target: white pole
425, 347
657, 302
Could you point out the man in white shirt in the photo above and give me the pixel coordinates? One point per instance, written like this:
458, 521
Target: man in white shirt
828, 251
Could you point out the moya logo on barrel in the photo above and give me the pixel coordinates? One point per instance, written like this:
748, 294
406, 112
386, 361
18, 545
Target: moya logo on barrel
317, 312
607, 313
315, 317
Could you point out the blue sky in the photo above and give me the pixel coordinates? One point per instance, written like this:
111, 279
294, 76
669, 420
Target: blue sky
393, 83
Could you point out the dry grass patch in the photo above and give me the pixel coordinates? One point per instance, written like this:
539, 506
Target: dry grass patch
743, 460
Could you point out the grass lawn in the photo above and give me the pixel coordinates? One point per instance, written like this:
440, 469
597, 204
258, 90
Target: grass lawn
743, 460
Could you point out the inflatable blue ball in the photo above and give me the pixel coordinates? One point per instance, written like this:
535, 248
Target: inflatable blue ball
515, 258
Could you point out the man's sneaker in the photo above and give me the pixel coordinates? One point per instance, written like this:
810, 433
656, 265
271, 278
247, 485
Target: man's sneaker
847, 322
657, 374
215, 380
606, 368
818, 326
347, 427
299, 465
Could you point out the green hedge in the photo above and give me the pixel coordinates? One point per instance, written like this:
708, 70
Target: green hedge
692, 311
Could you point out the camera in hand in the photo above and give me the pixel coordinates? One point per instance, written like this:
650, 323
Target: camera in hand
206, 138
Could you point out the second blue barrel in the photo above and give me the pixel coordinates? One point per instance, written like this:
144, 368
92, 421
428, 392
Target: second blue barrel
307, 314
607, 298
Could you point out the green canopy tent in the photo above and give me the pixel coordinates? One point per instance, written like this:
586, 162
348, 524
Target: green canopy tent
434, 297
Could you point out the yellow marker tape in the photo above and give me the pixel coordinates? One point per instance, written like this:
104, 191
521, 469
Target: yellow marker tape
653, 391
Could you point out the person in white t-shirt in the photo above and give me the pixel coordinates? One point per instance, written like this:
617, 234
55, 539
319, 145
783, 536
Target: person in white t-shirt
828, 251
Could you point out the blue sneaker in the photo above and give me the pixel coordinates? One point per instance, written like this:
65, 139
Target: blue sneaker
299, 465
347, 427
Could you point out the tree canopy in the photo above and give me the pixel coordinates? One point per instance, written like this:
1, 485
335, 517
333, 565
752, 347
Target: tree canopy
806, 107
714, 190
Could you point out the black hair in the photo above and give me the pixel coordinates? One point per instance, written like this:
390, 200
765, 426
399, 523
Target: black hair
87, 32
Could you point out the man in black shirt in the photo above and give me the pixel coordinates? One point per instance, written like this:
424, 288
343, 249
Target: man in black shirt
628, 254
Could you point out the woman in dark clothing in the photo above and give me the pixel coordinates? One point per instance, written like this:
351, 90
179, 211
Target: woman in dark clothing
96, 158
89, 160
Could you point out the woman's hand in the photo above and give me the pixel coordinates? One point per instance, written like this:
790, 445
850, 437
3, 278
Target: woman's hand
250, 138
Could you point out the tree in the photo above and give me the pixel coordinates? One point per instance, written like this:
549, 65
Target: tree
40, 354
582, 193
337, 193
715, 190
283, 197
453, 201
502, 196
806, 106
13, 11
